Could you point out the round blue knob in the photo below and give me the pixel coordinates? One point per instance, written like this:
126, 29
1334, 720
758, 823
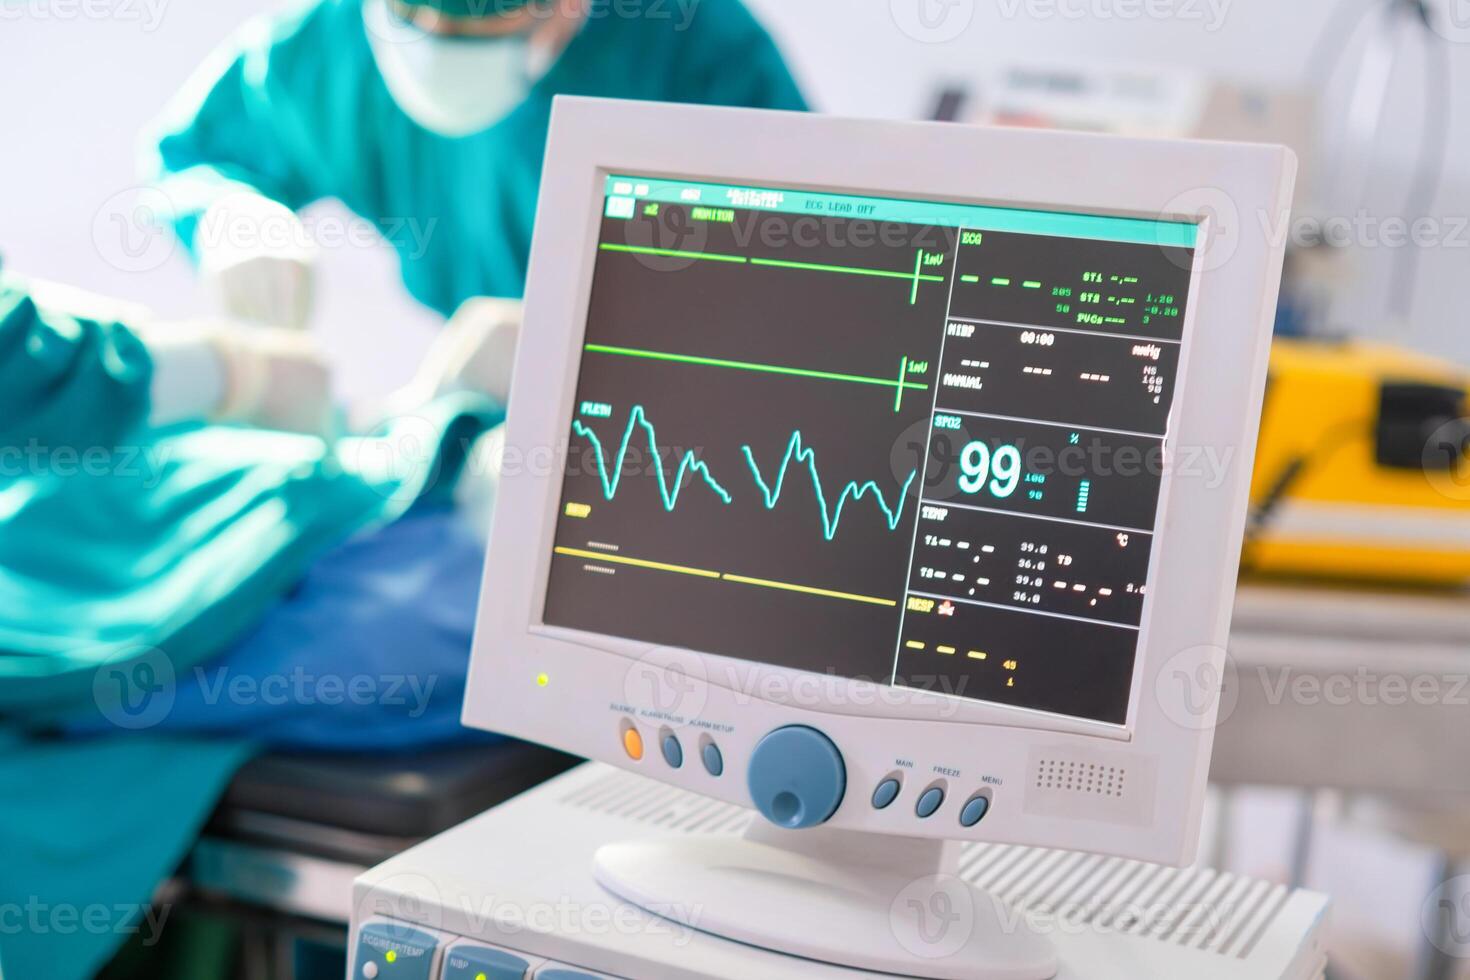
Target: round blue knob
796, 777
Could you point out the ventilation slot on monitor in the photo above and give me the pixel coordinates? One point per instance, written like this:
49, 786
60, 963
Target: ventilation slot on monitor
1090, 784
1192, 907
1080, 777
642, 800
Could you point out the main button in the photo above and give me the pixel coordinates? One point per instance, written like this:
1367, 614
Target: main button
885, 794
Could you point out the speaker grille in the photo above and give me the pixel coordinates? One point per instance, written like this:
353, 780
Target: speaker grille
1080, 777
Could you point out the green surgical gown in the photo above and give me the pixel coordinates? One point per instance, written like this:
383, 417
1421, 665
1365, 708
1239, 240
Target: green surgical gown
296, 109
129, 556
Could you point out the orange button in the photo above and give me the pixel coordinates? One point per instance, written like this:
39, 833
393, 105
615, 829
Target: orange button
633, 743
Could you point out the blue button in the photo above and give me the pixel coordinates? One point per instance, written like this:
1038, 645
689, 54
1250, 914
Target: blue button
673, 751
974, 811
929, 802
470, 962
797, 777
413, 951
885, 794
714, 763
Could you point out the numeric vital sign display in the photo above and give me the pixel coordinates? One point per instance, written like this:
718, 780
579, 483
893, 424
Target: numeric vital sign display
914, 443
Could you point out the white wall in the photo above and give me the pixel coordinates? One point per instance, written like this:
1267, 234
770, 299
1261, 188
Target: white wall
857, 58
79, 89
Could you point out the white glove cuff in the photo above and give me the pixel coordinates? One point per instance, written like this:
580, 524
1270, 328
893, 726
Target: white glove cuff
246, 374
188, 374
242, 226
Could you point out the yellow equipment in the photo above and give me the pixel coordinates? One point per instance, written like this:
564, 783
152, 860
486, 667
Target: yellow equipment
1363, 466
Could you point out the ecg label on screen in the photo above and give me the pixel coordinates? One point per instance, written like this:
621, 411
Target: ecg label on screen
799, 453
688, 463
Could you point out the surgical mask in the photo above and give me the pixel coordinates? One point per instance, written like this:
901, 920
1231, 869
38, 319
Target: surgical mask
453, 86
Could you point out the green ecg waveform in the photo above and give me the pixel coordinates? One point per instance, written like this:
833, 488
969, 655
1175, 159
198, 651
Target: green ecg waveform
915, 277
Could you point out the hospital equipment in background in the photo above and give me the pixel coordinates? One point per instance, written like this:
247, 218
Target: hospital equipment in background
1363, 466
854, 602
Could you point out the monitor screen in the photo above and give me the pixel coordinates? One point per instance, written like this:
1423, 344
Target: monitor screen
914, 443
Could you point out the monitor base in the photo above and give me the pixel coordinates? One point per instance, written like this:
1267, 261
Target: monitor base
890, 904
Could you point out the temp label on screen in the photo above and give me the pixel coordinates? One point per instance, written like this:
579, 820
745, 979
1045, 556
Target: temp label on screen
911, 443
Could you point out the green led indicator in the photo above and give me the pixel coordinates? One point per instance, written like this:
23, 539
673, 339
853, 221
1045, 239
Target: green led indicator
969, 278
1031, 284
999, 281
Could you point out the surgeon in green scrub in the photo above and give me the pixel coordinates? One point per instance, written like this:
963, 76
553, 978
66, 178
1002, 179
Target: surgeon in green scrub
427, 118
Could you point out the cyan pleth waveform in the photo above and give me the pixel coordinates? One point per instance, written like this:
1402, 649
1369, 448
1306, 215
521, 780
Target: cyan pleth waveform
669, 489
852, 491
688, 463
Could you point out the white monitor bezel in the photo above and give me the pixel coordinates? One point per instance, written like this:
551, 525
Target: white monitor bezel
1239, 193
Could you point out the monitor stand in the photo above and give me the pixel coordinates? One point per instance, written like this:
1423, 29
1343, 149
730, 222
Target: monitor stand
871, 901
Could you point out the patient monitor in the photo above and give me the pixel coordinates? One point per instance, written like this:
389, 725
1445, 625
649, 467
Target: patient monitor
888, 479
